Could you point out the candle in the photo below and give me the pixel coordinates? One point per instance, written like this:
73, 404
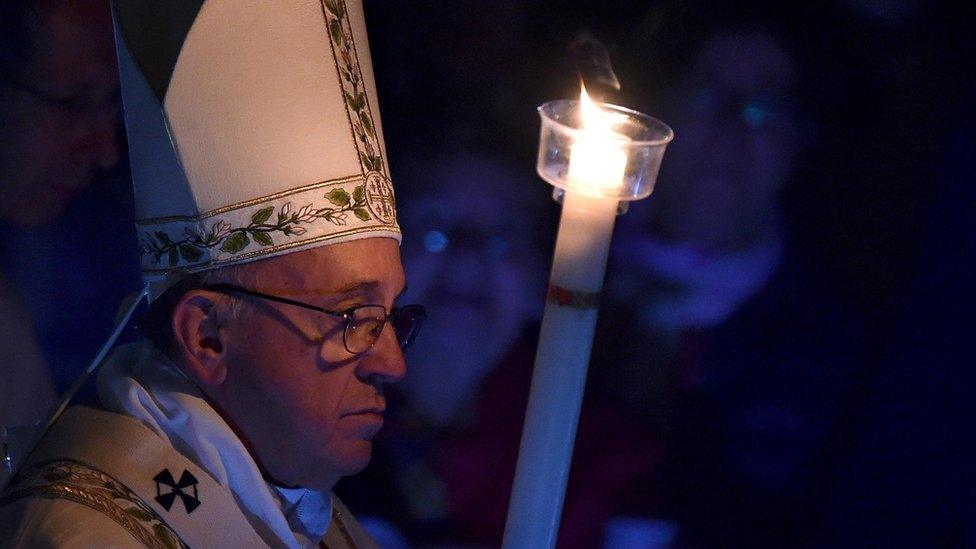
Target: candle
604, 165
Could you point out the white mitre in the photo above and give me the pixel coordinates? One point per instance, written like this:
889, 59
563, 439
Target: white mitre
253, 130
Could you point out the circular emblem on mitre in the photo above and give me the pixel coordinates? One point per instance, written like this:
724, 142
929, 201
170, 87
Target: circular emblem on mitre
379, 197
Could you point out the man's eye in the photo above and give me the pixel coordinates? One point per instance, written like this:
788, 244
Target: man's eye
375, 328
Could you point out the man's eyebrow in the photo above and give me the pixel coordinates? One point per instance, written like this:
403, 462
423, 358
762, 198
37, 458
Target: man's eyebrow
357, 287
363, 287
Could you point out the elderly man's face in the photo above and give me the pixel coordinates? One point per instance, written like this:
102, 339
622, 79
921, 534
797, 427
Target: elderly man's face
307, 408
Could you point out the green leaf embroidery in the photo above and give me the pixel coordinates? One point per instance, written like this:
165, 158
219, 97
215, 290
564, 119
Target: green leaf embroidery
336, 29
331, 6
139, 514
235, 243
362, 214
163, 535
163, 237
262, 215
190, 253
364, 127
263, 239
367, 123
339, 197
359, 194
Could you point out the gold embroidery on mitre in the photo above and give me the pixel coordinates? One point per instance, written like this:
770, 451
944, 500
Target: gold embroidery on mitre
380, 198
250, 202
317, 214
346, 58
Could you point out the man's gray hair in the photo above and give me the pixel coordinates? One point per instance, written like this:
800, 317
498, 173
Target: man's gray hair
158, 324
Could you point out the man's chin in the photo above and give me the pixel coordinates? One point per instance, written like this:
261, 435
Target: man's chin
325, 475
359, 459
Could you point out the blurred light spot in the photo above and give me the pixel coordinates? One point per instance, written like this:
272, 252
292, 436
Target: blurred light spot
754, 114
435, 241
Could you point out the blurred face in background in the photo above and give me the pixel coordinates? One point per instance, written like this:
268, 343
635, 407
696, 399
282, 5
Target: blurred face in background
59, 112
735, 122
469, 260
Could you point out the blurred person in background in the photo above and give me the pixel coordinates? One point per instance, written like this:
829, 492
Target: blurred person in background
452, 452
477, 262
719, 336
479, 265
58, 132
814, 184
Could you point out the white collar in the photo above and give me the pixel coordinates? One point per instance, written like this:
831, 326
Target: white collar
141, 382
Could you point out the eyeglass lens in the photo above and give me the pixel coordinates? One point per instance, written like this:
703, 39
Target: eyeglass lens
367, 324
406, 324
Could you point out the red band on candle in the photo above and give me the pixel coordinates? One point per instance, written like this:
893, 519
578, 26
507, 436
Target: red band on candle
569, 298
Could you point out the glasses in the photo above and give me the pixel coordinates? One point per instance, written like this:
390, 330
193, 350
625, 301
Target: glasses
364, 323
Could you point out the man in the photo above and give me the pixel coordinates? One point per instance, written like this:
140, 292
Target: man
270, 246
58, 130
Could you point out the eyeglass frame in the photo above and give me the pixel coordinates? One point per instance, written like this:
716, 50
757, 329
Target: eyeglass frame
346, 315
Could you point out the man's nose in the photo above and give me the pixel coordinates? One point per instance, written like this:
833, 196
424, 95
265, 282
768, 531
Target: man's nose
384, 363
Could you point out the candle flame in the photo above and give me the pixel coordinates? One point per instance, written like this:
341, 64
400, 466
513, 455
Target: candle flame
598, 160
595, 120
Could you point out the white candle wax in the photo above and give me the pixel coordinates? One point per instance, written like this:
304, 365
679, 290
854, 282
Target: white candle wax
597, 161
559, 377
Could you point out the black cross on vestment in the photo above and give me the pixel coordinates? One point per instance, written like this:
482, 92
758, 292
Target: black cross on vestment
187, 480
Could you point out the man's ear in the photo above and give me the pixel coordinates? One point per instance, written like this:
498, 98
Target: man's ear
199, 340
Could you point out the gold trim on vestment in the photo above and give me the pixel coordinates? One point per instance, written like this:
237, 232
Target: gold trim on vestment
81, 483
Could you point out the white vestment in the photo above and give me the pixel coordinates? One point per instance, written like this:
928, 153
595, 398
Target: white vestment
159, 468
